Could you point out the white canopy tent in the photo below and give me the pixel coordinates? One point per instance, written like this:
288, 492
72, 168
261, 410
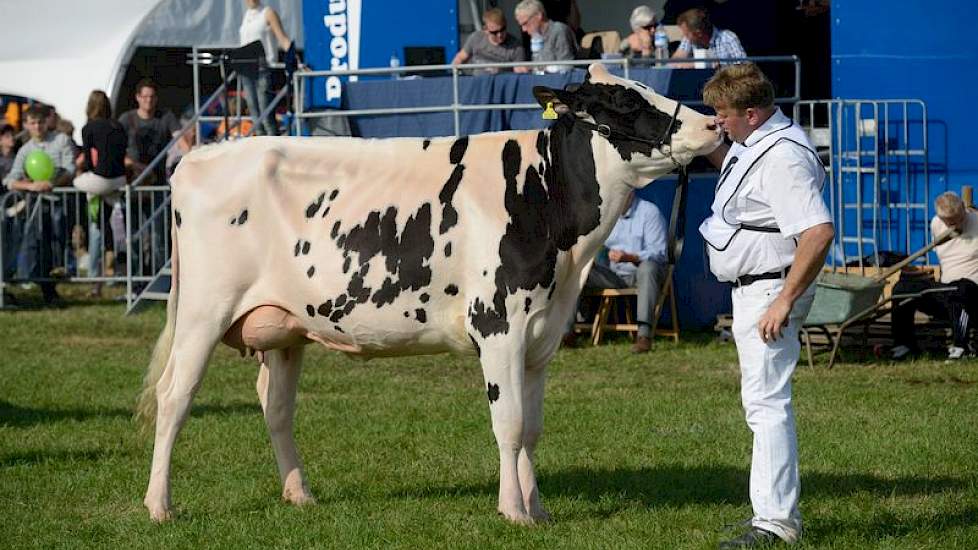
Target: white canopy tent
57, 51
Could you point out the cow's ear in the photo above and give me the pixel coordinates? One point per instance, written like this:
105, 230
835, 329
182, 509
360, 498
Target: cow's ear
559, 99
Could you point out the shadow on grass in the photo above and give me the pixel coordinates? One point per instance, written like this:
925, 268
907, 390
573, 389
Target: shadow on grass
884, 524
15, 416
676, 486
39, 457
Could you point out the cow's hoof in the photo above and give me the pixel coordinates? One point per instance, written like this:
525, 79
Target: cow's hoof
518, 518
159, 514
297, 498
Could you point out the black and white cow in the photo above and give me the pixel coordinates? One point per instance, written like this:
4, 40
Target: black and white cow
474, 245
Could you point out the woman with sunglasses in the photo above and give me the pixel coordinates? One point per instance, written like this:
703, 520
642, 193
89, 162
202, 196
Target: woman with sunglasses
641, 42
492, 45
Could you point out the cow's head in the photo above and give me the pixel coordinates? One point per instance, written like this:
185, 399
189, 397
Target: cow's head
652, 133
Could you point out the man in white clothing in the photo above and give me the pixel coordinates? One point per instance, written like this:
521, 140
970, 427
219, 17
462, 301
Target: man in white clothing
768, 236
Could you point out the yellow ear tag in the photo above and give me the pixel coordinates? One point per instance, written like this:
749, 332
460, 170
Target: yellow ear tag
549, 113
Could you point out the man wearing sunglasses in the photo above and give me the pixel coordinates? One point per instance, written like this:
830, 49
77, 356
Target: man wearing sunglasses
492, 45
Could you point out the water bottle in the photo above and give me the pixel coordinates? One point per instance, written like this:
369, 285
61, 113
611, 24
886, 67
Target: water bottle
661, 43
536, 51
395, 64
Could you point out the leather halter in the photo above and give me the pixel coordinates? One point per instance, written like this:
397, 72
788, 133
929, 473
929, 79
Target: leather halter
608, 132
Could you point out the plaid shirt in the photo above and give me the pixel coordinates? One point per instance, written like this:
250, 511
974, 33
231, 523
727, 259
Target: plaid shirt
725, 43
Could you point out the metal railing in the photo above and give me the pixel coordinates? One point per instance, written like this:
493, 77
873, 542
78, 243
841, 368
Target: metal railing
300, 79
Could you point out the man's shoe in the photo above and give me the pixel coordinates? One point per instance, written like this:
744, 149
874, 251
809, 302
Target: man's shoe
642, 344
899, 352
955, 352
755, 537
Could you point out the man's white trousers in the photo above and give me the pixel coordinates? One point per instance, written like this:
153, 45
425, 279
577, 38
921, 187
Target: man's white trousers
765, 391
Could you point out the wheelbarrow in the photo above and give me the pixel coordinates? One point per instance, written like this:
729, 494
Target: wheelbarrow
844, 299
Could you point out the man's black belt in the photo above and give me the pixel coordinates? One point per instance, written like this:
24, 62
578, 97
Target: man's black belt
745, 280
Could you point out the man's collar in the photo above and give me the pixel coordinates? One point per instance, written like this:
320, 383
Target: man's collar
776, 121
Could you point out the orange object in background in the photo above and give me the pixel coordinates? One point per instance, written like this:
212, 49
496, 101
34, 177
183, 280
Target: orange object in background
12, 114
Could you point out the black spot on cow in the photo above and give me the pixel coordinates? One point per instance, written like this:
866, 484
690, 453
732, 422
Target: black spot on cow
448, 249
338, 328
488, 320
458, 150
310, 310
406, 253
492, 390
547, 214
526, 304
325, 308
407, 313
449, 216
243, 217
346, 264
315, 205
177, 218
421, 315
349, 307
335, 231
553, 287
478, 349
337, 315
298, 247
451, 290
356, 290
311, 271
305, 247
333, 194
325, 211
234, 220
425, 144
340, 300
424, 297
484, 272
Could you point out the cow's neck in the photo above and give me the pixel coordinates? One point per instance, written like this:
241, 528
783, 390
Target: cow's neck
596, 177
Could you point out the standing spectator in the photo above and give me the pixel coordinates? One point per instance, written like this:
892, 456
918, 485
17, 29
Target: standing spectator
103, 174
149, 130
7, 151
559, 43
260, 23
767, 235
959, 277
492, 45
42, 241
640, 42
699, 33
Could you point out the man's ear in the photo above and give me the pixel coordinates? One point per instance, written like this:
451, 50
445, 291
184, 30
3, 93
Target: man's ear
560, 99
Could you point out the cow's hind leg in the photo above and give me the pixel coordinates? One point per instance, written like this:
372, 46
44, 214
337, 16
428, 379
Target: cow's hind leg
533, 384
502, 367
174, 392
278, 379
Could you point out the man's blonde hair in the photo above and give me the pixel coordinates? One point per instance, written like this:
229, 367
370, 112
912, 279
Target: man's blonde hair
494, 15
949, 205
740, 86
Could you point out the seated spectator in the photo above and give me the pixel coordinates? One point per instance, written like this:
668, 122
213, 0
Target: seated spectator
567, 12
42, 241
492, 45
637, 258
559, 43
103, 174
640, 42
959, 274
699, 33
237, 119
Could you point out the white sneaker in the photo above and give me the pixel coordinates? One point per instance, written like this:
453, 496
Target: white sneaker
954, 352
899, 352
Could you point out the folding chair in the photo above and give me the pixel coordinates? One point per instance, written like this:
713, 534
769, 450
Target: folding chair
608, 299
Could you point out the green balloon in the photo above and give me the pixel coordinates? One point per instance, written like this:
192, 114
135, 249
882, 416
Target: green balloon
39, 166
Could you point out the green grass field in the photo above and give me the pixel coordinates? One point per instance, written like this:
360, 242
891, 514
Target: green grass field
639, 452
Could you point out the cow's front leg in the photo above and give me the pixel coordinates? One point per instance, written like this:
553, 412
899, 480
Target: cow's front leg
502, 367
278, 379
533, 384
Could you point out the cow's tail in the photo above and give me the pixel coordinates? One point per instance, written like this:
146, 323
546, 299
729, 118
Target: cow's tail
146, 407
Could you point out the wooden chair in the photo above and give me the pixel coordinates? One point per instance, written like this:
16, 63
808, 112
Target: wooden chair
610, 41
608, 298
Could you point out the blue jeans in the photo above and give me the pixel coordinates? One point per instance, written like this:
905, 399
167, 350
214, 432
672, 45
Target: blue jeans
258, 96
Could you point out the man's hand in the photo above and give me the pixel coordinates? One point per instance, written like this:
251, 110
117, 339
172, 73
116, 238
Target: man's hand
42, 186
622, 256
774, 320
